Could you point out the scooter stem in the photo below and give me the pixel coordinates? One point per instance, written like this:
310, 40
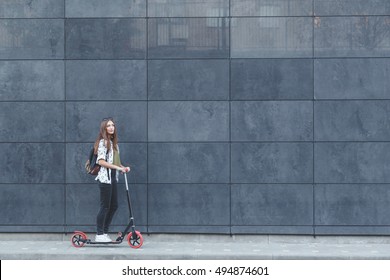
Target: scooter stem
127, 187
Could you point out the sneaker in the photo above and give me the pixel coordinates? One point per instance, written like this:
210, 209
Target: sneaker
102, 238
107, 236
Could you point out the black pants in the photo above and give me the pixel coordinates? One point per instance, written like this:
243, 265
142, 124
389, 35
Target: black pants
108, 204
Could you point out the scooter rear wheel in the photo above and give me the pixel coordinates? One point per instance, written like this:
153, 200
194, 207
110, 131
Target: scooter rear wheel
76, 239
135, 241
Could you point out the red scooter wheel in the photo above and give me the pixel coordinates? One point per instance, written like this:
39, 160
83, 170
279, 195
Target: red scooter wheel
78, 239
135, 241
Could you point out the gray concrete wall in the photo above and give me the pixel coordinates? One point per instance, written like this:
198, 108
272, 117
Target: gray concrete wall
237, 116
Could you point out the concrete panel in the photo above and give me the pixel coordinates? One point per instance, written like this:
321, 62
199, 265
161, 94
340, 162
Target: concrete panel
188, 121
188, 162
189, 229
32, 122
31, 80
31, 38
352, 120
106, 80
353, 78
352, 230
103, 8
50, 229
274, 37
135, 155
40, 204
272, 205
352, 36
293, 230
188, 8
83, 120
351, 7
76, 156
352, 162
260, 79
188, 79
105, 38
132, 154
269, 8
189, 205
272, 121
32, 163
83, 202
188, 38
272, 162
32, 9
352, 205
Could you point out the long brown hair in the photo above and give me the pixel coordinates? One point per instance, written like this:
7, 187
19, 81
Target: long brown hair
107, 137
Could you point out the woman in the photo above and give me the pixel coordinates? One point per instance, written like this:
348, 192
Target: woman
107, 150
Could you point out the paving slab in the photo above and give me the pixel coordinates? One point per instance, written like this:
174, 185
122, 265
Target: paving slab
198, 246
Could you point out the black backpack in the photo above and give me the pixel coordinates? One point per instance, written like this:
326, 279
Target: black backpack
91, 166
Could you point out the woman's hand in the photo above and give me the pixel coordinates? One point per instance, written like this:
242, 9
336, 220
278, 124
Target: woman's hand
124, 169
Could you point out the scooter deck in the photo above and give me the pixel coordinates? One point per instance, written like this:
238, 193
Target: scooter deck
89, 241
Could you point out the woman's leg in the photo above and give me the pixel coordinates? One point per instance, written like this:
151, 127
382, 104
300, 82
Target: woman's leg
105, 199
113, 202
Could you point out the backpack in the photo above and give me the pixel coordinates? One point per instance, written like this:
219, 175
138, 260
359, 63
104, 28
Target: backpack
91, 166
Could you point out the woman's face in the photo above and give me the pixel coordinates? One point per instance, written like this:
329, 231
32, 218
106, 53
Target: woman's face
110, 127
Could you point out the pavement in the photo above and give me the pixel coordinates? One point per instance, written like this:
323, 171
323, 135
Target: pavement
18, 246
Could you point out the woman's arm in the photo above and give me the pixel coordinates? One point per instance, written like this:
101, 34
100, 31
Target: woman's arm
105, 164
102, 156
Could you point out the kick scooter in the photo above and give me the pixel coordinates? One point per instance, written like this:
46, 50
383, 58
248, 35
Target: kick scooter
134, 238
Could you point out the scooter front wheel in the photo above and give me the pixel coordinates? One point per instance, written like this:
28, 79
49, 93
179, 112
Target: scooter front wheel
78, 239
135, 241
